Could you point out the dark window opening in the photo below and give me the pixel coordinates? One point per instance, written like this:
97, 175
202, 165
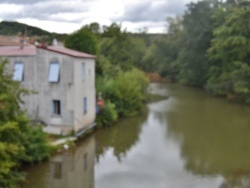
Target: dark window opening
56, 109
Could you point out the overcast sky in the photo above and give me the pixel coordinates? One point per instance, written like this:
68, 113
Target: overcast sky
66, 16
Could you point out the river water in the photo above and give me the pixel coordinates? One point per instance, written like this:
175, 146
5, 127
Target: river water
190, 140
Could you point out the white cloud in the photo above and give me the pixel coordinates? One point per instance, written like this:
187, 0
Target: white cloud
10, 9
65, 16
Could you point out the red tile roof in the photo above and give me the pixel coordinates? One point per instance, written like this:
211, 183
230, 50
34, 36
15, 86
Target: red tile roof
32, 50
67, 51
17, 51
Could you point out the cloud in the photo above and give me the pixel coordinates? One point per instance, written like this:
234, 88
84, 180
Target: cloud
53, 10
133, 14
154, 11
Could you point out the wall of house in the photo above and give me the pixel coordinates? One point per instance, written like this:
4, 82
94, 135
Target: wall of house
84, 88
62, 90
28, 81
70, 89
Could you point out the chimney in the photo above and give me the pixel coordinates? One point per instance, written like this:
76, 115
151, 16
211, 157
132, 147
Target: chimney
44, 44
54, 42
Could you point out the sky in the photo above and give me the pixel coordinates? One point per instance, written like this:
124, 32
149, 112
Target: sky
67, 16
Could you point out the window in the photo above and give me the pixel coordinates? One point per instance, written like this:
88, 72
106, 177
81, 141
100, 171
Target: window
85, 105
54, 72
86, 162
57, 170
18, 72
83, 71
56, 107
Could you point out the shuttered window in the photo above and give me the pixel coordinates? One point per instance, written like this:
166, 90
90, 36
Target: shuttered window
54, 73
18, 72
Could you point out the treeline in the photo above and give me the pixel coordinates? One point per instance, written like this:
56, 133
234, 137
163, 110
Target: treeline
11, 28
207, 47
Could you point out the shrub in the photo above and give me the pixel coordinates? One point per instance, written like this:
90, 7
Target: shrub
107, 115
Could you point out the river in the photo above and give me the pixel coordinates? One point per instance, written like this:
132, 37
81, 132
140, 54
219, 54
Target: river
190, 140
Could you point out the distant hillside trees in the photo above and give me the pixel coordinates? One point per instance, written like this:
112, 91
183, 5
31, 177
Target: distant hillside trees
13, 28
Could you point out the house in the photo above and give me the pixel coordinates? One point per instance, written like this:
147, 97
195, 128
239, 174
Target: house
64, 82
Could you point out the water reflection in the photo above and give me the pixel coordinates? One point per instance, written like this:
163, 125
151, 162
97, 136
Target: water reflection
121, 137
73, 169
190, 140
214, 135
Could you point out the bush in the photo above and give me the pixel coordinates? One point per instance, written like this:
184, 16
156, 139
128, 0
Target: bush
107, 115
126, 91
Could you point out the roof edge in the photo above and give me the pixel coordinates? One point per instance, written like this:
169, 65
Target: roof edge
49, 49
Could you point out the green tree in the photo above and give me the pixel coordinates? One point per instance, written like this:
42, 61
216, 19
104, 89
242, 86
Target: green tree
17, 143
82, 40
169, 47
198, 25
118, 50
230, 49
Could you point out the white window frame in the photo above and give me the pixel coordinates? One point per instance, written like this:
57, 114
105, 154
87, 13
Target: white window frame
18, 71
54, 72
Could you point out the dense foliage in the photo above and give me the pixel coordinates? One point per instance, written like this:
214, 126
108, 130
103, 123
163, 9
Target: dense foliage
121, 84
19, 142
207, 47
82, 40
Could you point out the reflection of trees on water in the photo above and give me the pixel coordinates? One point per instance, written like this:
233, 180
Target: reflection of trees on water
120, 136
236, 182
215, 138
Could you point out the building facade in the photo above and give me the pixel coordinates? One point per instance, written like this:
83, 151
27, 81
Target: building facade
63, 81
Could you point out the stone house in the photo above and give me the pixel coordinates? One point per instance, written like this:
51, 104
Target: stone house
64, 82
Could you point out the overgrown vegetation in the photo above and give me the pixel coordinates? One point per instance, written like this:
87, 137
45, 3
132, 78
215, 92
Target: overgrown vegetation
19, 142
123, 87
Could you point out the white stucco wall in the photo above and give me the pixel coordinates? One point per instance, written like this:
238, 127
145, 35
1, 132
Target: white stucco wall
84, 88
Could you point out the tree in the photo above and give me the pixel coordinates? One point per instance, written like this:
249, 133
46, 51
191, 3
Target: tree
94, 28
82, 40
230, 49
19, 142
169, 47
117, 47
198, 26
